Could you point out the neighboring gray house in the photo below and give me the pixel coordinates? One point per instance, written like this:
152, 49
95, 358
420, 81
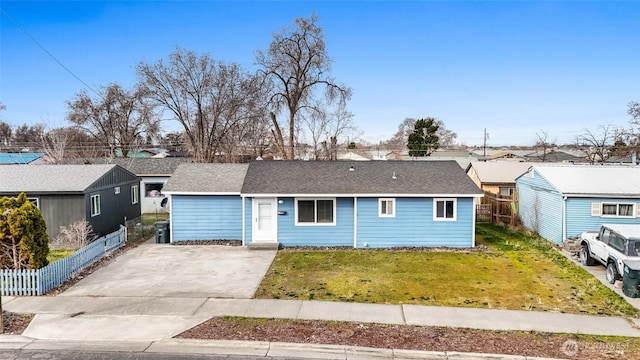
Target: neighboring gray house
206, 202
103, 195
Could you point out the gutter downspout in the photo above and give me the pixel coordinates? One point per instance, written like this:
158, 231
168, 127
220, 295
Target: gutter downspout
473, 222
564, 218
170, 218
355, 222
243, 219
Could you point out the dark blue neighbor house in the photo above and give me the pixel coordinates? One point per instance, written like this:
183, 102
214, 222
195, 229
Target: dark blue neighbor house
104, 195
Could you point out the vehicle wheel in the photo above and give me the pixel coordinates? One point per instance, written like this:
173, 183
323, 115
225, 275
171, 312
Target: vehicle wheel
585, 257
612, 273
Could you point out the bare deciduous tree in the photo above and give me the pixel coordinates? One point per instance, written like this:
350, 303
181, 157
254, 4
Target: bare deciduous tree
543, 144
595, 145
208, 98
54, 144
298, 66
28, 135
326, 128
117, 117
74, 236
5, 134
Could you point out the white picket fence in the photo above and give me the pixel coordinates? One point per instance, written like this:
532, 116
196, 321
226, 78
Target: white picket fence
40, 281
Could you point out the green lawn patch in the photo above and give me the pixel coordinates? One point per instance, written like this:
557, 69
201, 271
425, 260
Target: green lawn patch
512, 271
149, 219
57, 254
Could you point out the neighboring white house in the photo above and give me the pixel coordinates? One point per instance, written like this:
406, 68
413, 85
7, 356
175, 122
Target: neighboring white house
153, 174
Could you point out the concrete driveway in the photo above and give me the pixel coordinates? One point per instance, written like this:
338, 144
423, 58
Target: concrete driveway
165, 270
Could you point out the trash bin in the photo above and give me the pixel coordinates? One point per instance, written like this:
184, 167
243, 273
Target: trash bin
631, 278
162, 232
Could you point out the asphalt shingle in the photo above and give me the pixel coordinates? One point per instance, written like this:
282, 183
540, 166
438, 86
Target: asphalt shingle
206, 178
50, 178
421, 178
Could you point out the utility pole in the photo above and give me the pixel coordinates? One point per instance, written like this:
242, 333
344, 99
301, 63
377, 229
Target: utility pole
486, 136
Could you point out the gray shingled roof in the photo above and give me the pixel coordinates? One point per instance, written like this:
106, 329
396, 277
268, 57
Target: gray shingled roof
421, 178
206, 178
139, 166
50, 178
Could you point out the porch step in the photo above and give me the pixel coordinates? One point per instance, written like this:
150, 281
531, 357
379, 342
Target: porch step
263, 246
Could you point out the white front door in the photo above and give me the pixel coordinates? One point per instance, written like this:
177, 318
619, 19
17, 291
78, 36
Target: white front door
265, 217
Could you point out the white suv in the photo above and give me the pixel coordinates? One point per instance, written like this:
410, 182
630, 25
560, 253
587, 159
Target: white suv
610, 246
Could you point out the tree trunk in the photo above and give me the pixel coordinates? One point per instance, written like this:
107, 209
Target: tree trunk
278, 136
291, 155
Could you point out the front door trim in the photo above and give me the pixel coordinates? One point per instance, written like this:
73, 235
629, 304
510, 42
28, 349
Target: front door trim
265, 220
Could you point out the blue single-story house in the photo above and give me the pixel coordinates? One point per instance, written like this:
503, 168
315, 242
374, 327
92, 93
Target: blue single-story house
205, 201
560, 202
325, 203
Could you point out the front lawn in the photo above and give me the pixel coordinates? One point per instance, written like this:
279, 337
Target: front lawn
150, 219
511, 271
57, 254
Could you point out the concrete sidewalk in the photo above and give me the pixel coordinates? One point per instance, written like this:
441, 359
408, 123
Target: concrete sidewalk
153, 319
97, 315
148, 324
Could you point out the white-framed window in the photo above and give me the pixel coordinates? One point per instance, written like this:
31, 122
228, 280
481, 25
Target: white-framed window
135, 195
315, 211
116, 190
387, 207
35, 202
153, 189
626, 210
95, 205
507, 191
444, 209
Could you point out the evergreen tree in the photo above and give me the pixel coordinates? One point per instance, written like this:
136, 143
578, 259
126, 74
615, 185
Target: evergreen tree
423, 140
24, 243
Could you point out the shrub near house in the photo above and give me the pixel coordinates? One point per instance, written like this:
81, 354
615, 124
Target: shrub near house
24, 243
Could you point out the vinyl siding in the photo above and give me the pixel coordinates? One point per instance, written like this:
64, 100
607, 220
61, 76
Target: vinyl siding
413, 224
206, 217
340, 234
114, 208
50, 207
579, 217
540, 207
248, 224
151, 204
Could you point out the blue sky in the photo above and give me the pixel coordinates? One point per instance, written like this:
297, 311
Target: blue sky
514, 68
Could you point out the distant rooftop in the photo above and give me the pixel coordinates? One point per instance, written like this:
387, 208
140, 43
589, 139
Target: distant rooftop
18, 158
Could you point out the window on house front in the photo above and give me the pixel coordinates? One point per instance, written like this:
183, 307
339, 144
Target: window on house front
618, 209
507, 191
35, 202
387, 207
444, 209
134, 194
95, 205
315, 211
153, 189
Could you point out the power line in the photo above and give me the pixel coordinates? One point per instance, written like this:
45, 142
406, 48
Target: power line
4, 12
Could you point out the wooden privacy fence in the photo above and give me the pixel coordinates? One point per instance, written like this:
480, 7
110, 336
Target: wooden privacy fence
40, 281
498, 209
